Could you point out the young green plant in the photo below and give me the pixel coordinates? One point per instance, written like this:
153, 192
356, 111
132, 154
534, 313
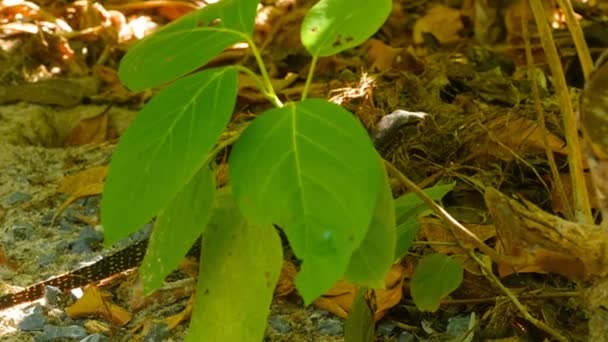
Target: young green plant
307, 166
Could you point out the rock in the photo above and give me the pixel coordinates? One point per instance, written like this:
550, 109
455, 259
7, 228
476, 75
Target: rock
34, 321
55, 332
16, 198
279, 324
94, 338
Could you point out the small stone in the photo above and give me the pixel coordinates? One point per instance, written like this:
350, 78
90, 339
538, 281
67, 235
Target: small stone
46, 259
33, 322
86, 240
331, 326
16, 198
22, 231
52, 295
386, 328
279, 324
406, 337
55, 332
95, 338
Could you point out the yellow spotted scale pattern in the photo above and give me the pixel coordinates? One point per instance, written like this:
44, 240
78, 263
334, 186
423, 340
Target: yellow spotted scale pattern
129, 257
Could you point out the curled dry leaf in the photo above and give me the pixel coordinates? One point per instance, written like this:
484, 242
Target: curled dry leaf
94, 303
339, 299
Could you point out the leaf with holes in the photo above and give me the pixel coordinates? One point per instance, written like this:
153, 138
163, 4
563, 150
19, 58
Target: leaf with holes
240, 266
332, 26
311, 168
164, 147
187, 43
436, 276
177, 228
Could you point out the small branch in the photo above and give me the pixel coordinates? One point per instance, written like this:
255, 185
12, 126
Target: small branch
451, 222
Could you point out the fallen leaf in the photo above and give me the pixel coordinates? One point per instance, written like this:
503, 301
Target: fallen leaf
93, 130
93, 302
519, 135
443, 22
339, 299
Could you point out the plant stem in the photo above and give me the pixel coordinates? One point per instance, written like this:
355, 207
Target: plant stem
487, 271
453, 223
311, 72
582, 207
223, 144
268, 88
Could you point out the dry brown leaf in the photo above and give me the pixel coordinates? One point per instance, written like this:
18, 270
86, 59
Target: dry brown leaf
93, 302
93, 130
340, 298
433, 229
443, 22
556, 200
517, 134
72, 183
85, 183
285, 285
380, 55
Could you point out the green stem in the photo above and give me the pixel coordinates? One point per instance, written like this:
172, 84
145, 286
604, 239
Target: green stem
223, 144
269, 89
311, 72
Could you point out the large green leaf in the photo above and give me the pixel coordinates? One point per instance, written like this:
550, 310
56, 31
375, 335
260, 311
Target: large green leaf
311, 168
332, 26
240, 265
436, 275
187, 43
360, 325
177, 228
371, 262
164, 147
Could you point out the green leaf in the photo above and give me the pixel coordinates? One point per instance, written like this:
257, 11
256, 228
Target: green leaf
311, 168
360, 324
436, 276
164, 147
332, 26
187, 43
407, 208
240, 265
406, 234
177, 228
371, 262
410, 205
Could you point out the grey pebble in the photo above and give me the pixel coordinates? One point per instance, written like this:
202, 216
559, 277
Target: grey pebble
386, 328
17, 197
47, 259
95, 338
406, 337
331, 326
88, 238
55, 332
52, 295
279, 324
22, 231
34, 321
